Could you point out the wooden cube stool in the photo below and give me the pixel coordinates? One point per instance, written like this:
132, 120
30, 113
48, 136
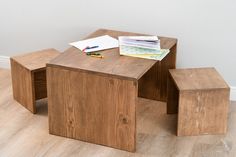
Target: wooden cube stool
201, 98
29, 77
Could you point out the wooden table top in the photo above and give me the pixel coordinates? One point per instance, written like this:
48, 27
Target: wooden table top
36, 60
112, 63
198, 79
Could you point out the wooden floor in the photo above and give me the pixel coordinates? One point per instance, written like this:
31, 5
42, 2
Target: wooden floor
23, 134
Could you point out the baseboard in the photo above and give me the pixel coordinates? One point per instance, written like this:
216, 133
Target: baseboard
5, 62
233, 93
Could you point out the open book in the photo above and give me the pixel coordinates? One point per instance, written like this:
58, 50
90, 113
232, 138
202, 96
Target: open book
142, 46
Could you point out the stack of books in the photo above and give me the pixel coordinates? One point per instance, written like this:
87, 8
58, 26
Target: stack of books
142, 46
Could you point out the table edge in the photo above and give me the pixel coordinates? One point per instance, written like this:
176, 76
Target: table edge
95, 72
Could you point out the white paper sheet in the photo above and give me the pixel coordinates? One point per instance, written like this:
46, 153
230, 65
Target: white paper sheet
148, 42
103, 42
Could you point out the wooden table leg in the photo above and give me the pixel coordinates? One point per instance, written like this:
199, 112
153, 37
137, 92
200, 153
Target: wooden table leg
153, 85
172, 97
91, 107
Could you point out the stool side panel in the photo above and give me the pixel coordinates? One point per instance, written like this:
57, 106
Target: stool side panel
22, 85
92, 108
203, 112
172, 96
40, 86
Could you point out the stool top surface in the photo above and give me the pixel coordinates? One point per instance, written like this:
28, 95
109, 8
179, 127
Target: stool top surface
36, 60
112, 64
197, 79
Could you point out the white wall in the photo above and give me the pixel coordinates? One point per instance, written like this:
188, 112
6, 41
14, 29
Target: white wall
206, 29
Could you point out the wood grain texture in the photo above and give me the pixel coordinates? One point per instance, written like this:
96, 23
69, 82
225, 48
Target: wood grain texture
203, 112
153, 85
68, 77
113, 64
36, 60
198, 78
172, 96
23, 134
29, 77
40, 86
200, 110
92, 108
22, 84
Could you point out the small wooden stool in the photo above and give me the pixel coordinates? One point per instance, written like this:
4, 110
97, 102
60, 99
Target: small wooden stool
201, 98
29, 77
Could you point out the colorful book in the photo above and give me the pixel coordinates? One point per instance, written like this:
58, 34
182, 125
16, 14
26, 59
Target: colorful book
159, 57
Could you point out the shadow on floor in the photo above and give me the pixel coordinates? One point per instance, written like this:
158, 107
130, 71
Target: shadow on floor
42, 107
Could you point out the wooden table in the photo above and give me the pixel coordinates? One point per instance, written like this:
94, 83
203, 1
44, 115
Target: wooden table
28, 73
94, 99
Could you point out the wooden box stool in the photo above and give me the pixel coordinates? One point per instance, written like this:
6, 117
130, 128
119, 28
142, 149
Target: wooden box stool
201, 98
29, 77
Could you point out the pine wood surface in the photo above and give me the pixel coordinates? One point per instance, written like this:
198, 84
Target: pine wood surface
152, 75
23, 134
36, 60
113, 63
200, 96
153, 84
198, 78
29, 76
40, 84
92, 108
203, 112
76, 81
23, 86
